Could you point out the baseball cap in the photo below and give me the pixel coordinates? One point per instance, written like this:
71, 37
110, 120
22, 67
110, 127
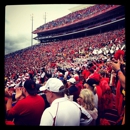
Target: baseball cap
95, 76
53, 85
30, 86
71, 80
91, 82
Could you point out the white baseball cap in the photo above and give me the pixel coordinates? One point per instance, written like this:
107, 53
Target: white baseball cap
52, 84
71, 80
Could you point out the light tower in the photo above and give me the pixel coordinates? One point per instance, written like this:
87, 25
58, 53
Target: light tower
32, 30
44, 17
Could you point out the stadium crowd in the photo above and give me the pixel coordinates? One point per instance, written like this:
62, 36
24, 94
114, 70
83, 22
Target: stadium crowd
87, 72
76, 16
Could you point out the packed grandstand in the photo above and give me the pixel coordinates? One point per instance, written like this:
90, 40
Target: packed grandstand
84, 39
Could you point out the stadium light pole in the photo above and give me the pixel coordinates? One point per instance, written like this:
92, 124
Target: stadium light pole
44, 17
32, 30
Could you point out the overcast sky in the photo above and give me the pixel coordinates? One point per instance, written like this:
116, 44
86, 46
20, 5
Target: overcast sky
18, 22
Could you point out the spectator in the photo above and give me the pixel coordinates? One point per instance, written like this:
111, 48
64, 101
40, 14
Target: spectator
43, 75
79, 82
107, 95
62, 112
91, 84
86, 100
28, 110
72, 89
107, 100
120, 91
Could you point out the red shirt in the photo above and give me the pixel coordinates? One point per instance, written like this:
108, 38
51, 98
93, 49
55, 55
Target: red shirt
119, 98
85, 73
28, 111
80, 86
99, 92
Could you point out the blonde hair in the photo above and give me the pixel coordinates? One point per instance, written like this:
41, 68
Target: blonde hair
88, 97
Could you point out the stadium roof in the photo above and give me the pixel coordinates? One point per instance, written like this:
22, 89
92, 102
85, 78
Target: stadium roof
82, 6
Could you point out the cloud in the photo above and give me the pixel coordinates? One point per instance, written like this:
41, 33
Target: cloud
14, 43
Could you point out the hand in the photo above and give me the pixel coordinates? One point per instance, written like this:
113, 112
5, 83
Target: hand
121, 60
115, 66
8, 92
18, 91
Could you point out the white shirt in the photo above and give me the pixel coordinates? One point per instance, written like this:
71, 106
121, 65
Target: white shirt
43, 74
66, 112
66, 74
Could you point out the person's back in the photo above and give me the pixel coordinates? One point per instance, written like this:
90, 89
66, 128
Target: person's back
29, 110
64, 113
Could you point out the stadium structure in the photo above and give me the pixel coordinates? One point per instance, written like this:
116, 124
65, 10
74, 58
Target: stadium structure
102, 19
